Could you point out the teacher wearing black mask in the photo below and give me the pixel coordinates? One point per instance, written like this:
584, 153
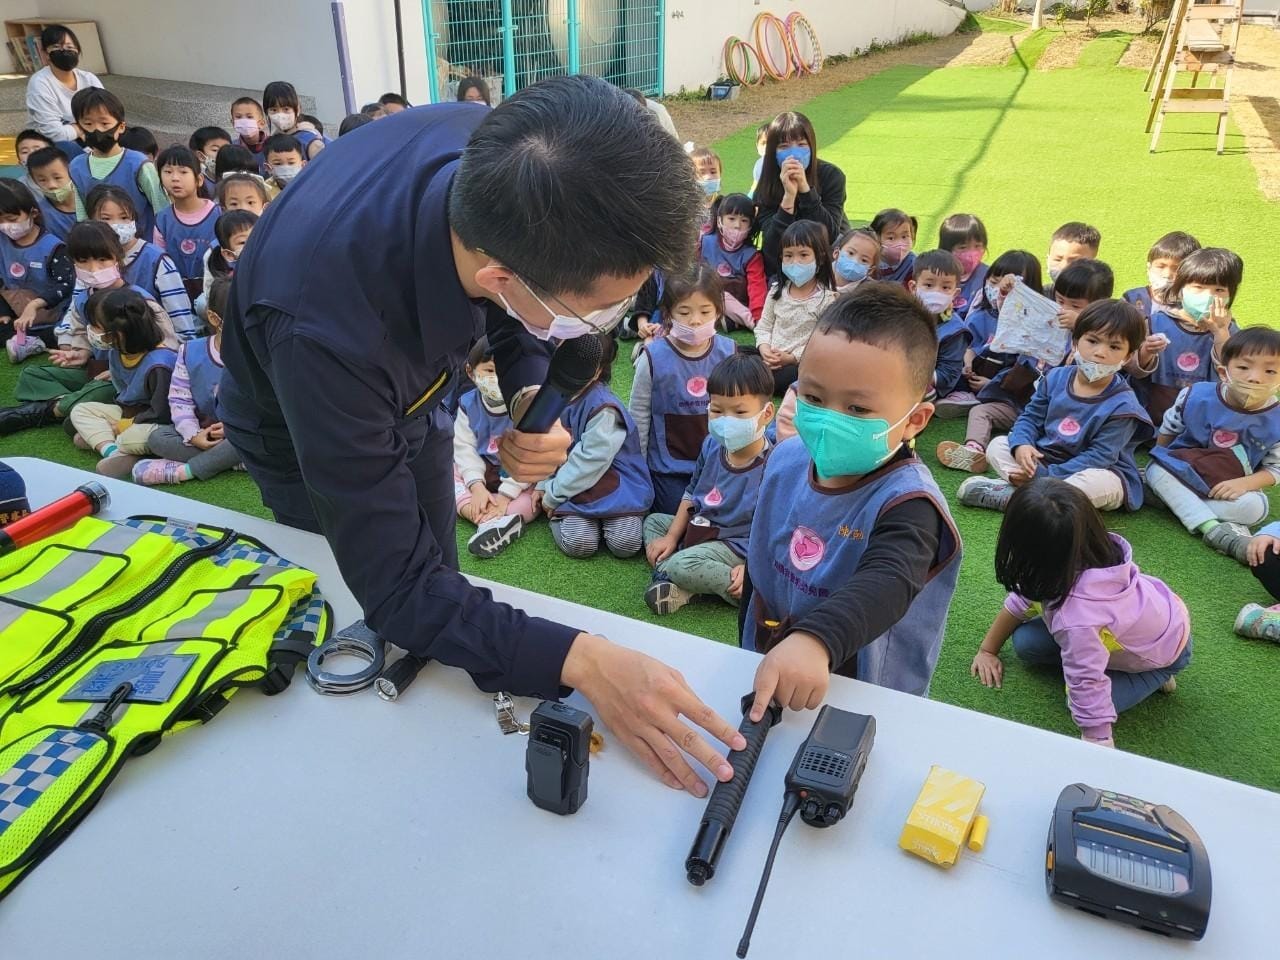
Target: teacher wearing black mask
50, 89
355, 303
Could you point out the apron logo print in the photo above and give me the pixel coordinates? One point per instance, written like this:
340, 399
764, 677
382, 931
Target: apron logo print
493, 445
1068, 427
187, 246
807, 549
1188, 361
1226, 439
714, 498
697, 386
724, 270
17, 270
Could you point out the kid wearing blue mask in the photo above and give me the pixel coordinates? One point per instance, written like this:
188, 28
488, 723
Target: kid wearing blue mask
729, 249
702, 549
708, 169
856, 255
792, 308
935, 280
897, 233
796, 185
1189, 330
669, 393
1082, 425
853, 555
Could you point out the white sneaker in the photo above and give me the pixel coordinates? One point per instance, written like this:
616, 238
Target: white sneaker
985, 492
494, 536
27, 347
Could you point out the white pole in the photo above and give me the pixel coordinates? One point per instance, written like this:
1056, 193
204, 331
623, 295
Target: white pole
1037, 15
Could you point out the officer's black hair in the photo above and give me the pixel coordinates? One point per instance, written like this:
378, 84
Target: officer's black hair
884, 315
574, 157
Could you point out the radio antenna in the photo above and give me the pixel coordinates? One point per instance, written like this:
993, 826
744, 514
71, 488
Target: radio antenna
790, 804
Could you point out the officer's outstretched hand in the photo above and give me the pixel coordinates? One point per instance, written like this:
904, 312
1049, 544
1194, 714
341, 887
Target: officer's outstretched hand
641, 700
530, 457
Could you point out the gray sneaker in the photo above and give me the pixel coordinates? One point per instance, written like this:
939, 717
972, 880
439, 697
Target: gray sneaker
494, 536
1232, 540
665, 597
986, 493
29, 347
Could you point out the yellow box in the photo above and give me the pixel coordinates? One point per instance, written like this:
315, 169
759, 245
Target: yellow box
942, 816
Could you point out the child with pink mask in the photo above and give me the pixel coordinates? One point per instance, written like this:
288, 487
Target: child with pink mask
897, 233
965, 237
669, 396
729, 249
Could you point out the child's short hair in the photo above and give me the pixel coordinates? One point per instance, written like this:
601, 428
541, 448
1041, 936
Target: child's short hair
219, 293
1211, 266
1112, 318
1081, 233
735, 205
1085, 280
94, 240
16, 199
395, 98
706, 153
1173, 246
811, 234
179, 156
884, 315
235, 159
893, 217
108, 193
741, 375
1250, 342
961, 228
864, 232
280, 93
941, 262
140, 139
126, 315
283, 143
29, 135
91, 98
248, 102
480, 353
313, 120
701, 279
47, 156
353, 121
205, 135
373, 110
231, 223
1020, 263
235, 179
763, 129
1050, 535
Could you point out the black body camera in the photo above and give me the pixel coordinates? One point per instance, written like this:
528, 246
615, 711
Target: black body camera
558, 757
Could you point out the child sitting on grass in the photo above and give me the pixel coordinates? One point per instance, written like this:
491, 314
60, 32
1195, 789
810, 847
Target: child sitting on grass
934, 281
1078, 602
1163, 260
729, 249
792, 308
1071, 242
702, 549
1189, 330
853, 557
603, 490
1263, 557
897, 233
1083, 423
669, 393
856, 255
194, 447
499, 506
1219, 445
965, 237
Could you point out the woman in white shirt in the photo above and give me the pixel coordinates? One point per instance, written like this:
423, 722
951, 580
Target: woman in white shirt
50, 89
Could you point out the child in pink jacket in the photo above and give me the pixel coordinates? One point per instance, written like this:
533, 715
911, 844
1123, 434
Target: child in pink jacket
1080, 603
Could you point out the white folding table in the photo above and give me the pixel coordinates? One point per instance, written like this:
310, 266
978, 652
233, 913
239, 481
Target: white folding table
303, 826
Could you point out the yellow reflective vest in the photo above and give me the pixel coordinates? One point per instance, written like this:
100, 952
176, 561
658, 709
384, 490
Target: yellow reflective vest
114, 634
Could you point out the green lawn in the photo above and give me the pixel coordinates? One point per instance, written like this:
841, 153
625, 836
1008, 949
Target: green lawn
1026, 151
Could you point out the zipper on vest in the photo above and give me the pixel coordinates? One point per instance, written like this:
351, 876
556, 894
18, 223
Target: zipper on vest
97, 626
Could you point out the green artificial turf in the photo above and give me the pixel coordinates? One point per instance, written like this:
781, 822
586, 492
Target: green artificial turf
1026, 151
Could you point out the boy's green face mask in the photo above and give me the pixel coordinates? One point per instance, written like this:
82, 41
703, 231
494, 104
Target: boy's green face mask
842, 445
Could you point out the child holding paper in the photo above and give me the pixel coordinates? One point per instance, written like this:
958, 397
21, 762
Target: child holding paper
1083, 423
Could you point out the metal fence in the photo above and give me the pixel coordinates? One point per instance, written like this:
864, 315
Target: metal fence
513, 43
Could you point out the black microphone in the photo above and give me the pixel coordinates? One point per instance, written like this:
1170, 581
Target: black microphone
574, 367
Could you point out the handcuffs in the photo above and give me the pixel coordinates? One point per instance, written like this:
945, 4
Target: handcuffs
359, 641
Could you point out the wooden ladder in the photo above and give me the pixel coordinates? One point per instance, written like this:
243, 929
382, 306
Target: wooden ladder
1199, 38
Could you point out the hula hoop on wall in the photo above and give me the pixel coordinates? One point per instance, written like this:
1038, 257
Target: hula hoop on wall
759, 27
737, 63
798, 25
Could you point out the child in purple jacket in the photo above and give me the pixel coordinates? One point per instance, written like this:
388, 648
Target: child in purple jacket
1079, 602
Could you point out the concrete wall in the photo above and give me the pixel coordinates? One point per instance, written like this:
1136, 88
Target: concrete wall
697, 29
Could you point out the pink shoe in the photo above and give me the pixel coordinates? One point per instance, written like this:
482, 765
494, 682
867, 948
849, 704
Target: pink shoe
154, 473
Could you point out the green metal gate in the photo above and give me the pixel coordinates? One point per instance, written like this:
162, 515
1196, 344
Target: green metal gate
513, 43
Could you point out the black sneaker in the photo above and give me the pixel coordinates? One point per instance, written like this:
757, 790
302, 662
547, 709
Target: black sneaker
494, 536
665, 597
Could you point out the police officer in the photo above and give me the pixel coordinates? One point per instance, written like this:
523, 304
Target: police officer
353, 306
